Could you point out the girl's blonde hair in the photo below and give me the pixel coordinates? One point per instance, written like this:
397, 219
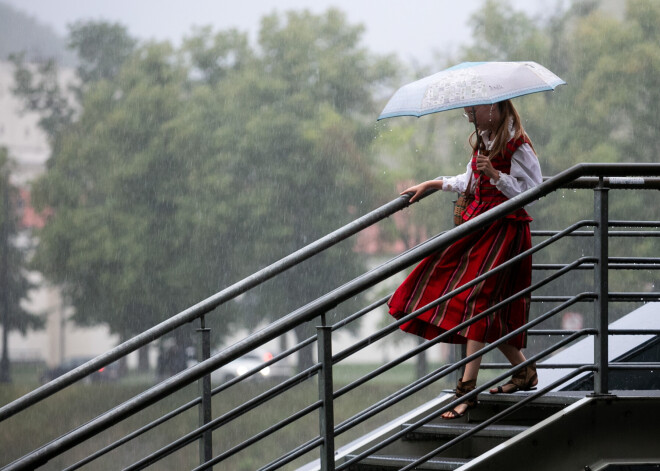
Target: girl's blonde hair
508, 114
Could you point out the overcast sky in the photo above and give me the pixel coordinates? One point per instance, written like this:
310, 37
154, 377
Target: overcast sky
413, 29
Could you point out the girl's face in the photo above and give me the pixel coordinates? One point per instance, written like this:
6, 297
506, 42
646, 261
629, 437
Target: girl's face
488, 116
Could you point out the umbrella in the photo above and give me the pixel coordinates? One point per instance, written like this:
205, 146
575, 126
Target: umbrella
470, 84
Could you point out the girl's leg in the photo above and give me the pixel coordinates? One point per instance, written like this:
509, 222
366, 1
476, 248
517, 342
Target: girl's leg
471, 372
513, 354
472, 368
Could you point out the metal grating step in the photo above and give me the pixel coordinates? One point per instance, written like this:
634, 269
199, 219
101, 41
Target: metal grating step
453, 429
387, 462
428, 437
530, 414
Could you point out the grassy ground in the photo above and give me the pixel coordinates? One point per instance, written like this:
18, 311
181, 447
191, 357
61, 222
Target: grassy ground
78, 404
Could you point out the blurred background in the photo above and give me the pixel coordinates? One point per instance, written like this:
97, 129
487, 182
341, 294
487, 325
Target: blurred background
153, 153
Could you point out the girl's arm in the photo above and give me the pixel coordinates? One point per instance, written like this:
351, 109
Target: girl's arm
459, 182
525, 173
421, 188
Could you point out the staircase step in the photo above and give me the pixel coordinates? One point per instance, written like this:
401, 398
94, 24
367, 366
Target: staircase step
387, 462
551, 399
531, 413
561, 398
452, 429
427, 438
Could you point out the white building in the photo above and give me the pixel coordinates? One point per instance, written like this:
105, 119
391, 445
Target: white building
28, 147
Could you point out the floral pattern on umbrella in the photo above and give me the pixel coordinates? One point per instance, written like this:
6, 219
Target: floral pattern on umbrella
470, 84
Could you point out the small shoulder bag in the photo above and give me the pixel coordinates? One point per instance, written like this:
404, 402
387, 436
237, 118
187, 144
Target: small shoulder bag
466, 197
461, 204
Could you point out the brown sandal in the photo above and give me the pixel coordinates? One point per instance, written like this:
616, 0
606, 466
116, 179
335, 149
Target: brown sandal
524, 379
462, 388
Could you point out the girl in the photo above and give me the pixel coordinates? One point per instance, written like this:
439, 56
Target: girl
507, 167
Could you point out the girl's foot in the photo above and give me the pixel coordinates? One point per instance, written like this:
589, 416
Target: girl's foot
462, 389
524, 379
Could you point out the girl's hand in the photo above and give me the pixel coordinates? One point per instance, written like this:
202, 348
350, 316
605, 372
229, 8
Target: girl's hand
484, 166
421, 188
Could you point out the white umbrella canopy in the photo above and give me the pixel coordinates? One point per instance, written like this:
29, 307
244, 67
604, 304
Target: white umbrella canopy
470, 84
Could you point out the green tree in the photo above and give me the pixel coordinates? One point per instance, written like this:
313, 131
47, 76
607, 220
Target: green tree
292, 128
113, 242
39, 88
14, 282
192, 168
101, 49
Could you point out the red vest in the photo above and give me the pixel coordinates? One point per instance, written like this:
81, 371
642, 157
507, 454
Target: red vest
486, 195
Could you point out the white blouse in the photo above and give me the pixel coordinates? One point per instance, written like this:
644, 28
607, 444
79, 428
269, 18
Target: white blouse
525, 174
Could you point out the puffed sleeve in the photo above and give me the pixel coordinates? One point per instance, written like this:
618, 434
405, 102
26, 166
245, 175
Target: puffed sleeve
525, 173
457, 183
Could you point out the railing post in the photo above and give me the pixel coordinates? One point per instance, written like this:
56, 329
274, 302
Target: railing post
326, 413
602, 286
205, 416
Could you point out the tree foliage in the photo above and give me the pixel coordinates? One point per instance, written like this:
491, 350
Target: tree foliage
186, 170
101, 49
39, 88
611, 68
111, 188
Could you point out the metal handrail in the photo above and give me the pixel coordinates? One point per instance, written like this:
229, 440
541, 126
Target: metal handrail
196, 401
304, 314
204, 307
648, 182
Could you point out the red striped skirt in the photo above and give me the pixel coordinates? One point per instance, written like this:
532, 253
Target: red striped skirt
458, 264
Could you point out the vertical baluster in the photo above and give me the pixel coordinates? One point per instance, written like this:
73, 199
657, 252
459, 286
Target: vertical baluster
205, 416
602, 287
326, 414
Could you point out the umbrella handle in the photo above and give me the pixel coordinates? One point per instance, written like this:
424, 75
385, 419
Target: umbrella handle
480, 142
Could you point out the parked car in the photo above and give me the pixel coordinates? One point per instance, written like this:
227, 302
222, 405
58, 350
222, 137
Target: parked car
253, 359
107, 373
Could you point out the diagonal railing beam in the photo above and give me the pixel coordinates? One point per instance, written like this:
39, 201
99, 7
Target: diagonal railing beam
204, 306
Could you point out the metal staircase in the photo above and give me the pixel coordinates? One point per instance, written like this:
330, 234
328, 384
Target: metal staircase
416, 440
443, 433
